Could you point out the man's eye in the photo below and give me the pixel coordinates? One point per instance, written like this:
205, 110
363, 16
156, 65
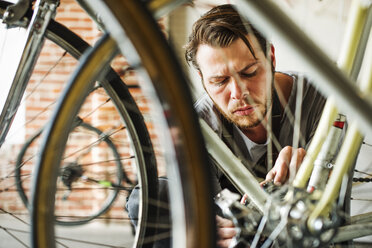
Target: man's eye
248, 74
220, 82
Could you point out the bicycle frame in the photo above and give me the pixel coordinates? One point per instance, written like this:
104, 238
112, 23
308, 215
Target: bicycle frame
43, 12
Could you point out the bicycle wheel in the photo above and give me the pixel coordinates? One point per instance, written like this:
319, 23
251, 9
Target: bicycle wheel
104, 184
133, 121
73, 170
190, 197
75, 46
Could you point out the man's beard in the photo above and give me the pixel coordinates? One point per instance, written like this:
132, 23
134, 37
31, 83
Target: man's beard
248, 121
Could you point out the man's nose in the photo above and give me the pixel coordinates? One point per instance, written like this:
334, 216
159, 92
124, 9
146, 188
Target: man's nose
237, 89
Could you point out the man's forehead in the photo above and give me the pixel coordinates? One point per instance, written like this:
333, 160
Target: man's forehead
222, 60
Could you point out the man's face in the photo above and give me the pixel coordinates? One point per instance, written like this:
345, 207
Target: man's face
236, 81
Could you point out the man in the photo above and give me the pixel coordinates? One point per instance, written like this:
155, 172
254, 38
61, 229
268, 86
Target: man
242, 92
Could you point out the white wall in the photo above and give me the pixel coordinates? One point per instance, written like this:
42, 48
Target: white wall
323, 21
12, 42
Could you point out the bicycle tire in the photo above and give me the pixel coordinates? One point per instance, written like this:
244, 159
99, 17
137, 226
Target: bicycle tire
133, 119
110, 198
194, 189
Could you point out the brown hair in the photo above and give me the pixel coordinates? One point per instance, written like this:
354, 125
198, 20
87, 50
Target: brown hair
219, 27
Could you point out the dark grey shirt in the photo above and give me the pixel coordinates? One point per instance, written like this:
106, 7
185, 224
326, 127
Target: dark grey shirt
252, 153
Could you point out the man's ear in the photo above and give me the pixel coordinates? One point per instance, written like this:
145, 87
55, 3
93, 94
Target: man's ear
272, 55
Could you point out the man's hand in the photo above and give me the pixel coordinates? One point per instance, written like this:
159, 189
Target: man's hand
225, 231
286, 165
